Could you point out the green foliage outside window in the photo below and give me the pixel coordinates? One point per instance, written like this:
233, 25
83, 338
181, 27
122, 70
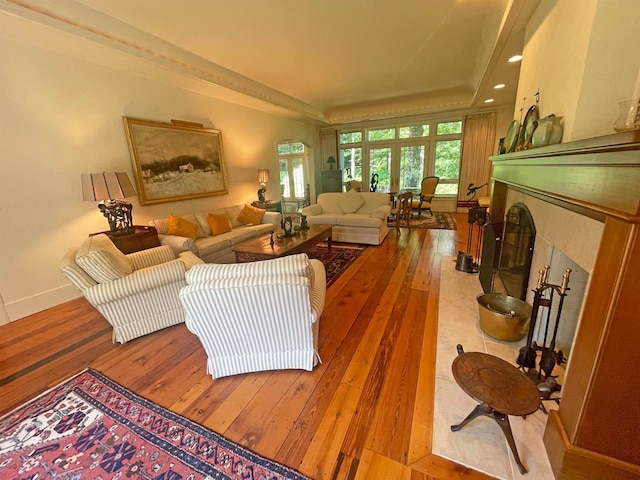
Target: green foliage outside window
381, 134
449, 127
350, 137
447, 164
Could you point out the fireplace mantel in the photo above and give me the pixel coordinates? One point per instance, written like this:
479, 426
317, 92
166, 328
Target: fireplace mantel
595, 433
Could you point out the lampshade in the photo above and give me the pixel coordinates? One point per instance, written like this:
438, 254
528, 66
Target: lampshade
106, 186
263, 175
110, 189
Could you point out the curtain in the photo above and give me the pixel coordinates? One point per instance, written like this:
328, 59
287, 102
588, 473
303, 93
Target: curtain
478, 144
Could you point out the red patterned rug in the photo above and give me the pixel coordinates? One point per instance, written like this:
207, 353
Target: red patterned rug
338, 259
439, 220
90, 427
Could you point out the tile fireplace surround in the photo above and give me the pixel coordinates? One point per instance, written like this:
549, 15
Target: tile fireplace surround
594, 433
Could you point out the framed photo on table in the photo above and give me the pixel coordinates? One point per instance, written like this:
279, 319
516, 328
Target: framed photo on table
175, 161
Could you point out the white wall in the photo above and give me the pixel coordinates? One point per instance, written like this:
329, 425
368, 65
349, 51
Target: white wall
62, 116
583, 56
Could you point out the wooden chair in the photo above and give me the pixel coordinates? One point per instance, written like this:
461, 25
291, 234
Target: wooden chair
427, 192
296, 205
403, 209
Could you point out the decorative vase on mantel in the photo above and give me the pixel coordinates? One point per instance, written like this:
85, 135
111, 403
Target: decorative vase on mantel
629, 117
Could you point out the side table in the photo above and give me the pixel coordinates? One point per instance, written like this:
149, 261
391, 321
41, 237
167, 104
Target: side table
501, 389
144, 237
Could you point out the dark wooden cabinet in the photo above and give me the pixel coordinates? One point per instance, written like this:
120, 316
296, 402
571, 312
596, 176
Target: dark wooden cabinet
143, 238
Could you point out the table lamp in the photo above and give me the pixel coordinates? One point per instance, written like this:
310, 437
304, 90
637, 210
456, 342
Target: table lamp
110, 189
331, 162
263, 177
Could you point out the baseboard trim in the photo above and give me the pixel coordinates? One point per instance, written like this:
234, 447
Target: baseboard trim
40, 301
570, 462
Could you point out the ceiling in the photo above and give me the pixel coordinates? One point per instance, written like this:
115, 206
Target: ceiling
327, 61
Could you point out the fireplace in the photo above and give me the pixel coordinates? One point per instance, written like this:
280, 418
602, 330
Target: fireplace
591, 187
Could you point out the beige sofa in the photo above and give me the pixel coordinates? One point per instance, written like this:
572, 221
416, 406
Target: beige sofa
357, 217
215, 248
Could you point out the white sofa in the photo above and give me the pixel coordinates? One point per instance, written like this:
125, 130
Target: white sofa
357, 217
215, 248
256, 316
137, 293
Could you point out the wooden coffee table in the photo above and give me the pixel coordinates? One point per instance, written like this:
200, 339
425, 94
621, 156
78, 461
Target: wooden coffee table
500, 388
261, 248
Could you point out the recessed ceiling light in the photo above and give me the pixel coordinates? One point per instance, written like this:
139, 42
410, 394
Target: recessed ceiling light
489, 100
515, 58
499, 86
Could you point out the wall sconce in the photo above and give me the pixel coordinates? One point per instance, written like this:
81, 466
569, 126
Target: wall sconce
331, 162
110, 189
264, 177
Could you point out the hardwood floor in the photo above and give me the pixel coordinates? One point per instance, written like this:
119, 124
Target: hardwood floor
364, 413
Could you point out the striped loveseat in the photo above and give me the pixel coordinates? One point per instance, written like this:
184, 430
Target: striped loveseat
256, 316
137, 293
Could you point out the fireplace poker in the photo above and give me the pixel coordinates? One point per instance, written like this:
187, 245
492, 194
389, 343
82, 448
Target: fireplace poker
550, 358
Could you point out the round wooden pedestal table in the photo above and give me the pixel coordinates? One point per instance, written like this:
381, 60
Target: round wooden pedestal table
501, 389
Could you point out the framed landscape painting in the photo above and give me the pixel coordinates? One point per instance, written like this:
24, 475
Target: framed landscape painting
175, 161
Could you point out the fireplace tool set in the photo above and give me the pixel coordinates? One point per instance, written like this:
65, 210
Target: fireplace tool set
549, 358
479, 216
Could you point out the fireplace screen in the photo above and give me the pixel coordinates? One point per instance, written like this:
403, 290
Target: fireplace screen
517, 250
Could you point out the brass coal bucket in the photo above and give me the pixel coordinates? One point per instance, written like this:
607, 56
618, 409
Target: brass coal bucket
503, 317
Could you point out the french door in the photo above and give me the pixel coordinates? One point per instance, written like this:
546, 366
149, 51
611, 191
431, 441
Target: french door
397, 167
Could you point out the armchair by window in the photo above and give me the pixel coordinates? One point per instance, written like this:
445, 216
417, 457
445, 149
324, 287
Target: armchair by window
354, 185
137, 293
427, 192
256, 316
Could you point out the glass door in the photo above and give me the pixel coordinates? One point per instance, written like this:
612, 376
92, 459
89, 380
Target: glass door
411, 168
399, 167
379, 171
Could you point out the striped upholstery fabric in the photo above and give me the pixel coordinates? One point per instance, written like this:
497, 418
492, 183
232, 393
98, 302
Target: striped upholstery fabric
290, 264
256, 316
143, 302
151, 257
102, 260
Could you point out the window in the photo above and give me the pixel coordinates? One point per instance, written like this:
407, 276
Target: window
414, 131
292, 161
381, 134
351, 161
351, 137
403, 154
447, 165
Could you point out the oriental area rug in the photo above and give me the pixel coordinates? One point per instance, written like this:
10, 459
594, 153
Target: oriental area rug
337, 260
90, 427
439, 220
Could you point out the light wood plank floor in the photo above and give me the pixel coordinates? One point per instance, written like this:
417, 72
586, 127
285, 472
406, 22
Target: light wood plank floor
364, 413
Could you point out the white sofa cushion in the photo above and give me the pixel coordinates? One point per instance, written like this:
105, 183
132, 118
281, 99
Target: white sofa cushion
359, 220
102, 260
350, 202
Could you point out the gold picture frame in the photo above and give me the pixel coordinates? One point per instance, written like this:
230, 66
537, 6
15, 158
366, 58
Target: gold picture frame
175, 161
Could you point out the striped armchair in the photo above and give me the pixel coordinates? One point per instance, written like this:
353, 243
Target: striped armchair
137, 293
256, 316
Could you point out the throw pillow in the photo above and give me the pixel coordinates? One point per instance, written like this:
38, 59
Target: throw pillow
181, 227
102, 260
219, 223
351, 201
250, 214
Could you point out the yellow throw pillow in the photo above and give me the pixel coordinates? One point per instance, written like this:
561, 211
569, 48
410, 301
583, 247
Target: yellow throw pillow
219, 223
179, 226
250, 214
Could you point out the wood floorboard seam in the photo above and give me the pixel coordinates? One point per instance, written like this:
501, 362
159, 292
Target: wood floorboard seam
50, 358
